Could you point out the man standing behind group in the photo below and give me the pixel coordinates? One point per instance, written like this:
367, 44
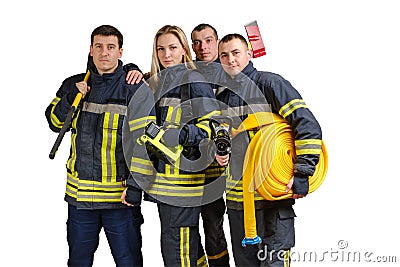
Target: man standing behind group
96, 167
205, 46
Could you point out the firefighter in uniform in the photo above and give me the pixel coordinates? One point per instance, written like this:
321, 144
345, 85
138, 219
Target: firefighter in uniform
249, 91
96, 167
205, 45
178, 186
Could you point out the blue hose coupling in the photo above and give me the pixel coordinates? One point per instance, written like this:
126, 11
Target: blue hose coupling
251, 241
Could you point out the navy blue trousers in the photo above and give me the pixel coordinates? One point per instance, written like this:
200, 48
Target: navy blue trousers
121, 227
276, 228
180, 237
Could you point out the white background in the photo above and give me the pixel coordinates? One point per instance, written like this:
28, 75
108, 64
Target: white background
342, 56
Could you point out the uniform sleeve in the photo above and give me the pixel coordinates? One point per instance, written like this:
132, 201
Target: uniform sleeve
57, 111
141, 111
287, 102
204, 106
131, 66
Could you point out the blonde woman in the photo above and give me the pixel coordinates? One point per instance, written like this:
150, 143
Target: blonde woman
184, 104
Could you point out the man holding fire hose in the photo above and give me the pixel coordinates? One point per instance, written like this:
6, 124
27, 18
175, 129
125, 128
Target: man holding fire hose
249, 90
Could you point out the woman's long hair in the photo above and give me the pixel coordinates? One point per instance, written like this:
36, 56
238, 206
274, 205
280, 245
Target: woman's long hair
156, 66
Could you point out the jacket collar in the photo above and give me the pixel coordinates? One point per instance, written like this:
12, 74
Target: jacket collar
95, 76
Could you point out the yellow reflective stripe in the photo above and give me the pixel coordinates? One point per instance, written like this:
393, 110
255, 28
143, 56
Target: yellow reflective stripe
170, 170
142, 166
215, 171
251, 134
53, 118
240, 199
91, 184
238, 196
174, 115
100, 195
104, 169
108, 162
178, 115
140, 122
286, 258
234, 191
99, 200
204, 126
72, 179
212, 113
71, 191
72, 158
55, 101
169, 114
93, 191
177, 188
223, 253
104, 146
202, 262
291, 107
113, 146
141, 161
177, 194
308, 142
184, 246
176, 169
308, 151
308, 146
179, 180
182, 176
112, 189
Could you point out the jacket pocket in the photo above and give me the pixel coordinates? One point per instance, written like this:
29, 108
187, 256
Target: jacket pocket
182, 216
110, 145
280, 234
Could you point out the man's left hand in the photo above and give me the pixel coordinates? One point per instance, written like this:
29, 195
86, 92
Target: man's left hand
289, 186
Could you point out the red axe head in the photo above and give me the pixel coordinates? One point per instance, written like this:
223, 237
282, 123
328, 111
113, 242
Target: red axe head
255, 40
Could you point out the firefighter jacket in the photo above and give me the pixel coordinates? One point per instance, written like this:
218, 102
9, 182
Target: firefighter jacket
96, 167
214, 74
256, 91
175, 184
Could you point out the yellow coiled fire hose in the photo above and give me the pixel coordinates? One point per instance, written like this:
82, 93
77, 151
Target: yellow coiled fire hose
268, 165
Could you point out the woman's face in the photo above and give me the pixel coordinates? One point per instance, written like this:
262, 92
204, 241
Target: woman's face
169, 50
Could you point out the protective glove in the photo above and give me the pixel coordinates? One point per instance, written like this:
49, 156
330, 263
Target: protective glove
72, 94
131, 66
173, 136
133, 196
300, 184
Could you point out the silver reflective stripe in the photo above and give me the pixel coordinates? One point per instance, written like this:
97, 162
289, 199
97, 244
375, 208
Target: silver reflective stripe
169, 102
91, 196
245, 110
101, 108
89, 184
180, 191
308, 146
290, 107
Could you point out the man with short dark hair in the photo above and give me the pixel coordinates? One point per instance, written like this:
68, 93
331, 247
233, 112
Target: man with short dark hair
247, 91
205, 46
96, 167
